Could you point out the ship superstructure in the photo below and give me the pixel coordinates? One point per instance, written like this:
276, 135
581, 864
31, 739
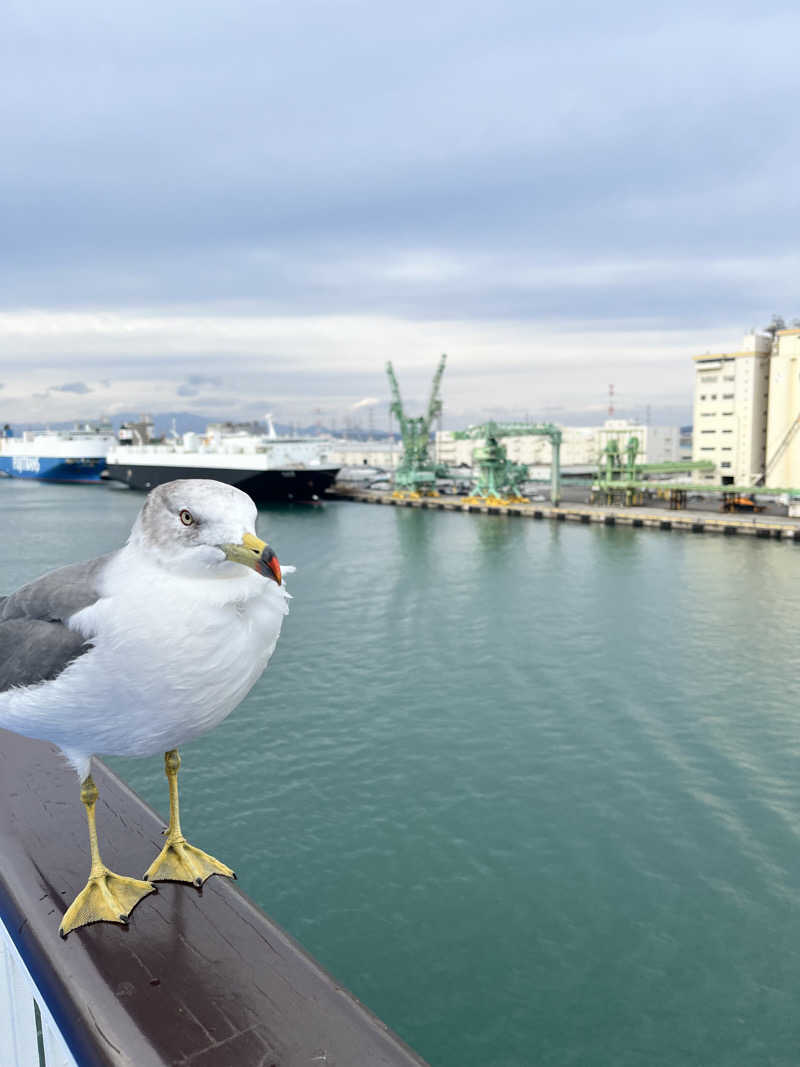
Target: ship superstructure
77, 455
257, 460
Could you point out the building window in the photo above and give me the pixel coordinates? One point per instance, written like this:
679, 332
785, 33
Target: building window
724, 464
728, 396
702, 396
708, 431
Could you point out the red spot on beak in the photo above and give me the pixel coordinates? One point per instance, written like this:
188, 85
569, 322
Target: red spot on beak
269, 566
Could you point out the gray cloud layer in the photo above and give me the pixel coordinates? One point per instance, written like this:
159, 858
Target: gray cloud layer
80, 388
193, 381
620, 164
225, 153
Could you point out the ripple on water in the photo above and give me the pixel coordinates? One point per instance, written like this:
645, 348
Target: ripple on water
529, 789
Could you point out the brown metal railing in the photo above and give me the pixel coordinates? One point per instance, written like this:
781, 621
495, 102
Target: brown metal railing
209, 981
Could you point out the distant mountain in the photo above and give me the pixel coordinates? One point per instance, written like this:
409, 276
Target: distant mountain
185, 421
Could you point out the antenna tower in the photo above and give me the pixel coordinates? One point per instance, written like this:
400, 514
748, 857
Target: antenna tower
611, 401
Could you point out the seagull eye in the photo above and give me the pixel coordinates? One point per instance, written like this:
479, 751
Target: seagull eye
186, 517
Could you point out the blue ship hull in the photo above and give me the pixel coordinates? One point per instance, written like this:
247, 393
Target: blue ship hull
52, 469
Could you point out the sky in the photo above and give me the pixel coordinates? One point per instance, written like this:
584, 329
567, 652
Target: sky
246, 207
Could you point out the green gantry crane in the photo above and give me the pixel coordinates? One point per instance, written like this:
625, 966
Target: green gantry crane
500, 481
619, 476
417, 473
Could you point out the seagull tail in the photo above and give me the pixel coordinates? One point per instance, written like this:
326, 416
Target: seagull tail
17, 715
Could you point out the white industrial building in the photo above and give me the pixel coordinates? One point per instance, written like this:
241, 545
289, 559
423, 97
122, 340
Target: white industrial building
451, 452
577, 447
657, 444
581, 446
782, 465
385, 455
731, 391
525, 448
746, 422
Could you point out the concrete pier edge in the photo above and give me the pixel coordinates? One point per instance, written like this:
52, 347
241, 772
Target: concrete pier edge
640, 516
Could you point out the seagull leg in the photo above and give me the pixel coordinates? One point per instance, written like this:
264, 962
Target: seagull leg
179, 861
106, 897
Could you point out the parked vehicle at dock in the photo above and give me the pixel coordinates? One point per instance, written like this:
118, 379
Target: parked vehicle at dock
740, 503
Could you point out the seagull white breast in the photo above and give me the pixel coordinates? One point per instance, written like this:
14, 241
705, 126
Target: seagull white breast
176, 633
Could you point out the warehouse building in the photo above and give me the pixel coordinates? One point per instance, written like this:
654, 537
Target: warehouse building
731, 393
782, 467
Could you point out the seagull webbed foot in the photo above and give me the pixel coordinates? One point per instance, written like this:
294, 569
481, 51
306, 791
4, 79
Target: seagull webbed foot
179, 861
106, 897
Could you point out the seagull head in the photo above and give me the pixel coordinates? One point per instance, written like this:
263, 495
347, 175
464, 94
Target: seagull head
198, 527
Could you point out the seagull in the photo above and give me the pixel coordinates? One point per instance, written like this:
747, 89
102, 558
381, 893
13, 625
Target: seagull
140, 651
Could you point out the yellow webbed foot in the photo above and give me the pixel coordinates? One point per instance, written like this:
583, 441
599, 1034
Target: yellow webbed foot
106, 897
179, 861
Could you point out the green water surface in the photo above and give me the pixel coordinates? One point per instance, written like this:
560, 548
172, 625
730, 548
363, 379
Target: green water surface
530, 790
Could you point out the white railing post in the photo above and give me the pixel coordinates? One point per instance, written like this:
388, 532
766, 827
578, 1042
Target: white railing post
19, 1043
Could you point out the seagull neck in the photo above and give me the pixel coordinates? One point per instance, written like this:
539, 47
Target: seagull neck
142, 575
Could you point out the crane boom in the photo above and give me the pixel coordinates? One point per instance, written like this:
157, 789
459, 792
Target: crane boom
416, 472
510, 429
396, 406
435, 403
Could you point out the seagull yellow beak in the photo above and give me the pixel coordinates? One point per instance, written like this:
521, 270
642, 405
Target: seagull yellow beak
255, 553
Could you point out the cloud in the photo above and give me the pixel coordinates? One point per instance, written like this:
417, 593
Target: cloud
79, 388
192, 382
468, 178
366, 402
520, 142
294, 364
203, 379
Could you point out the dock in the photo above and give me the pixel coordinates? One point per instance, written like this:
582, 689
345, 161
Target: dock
765, 526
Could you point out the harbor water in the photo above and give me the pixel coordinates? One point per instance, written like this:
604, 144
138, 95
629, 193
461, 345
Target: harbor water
530, 790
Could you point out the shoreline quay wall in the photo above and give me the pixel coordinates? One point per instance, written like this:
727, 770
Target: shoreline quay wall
771, 526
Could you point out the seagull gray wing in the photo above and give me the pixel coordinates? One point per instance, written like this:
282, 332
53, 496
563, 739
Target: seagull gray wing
35, 642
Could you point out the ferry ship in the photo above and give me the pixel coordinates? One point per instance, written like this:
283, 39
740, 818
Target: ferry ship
77, 455
259, 461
